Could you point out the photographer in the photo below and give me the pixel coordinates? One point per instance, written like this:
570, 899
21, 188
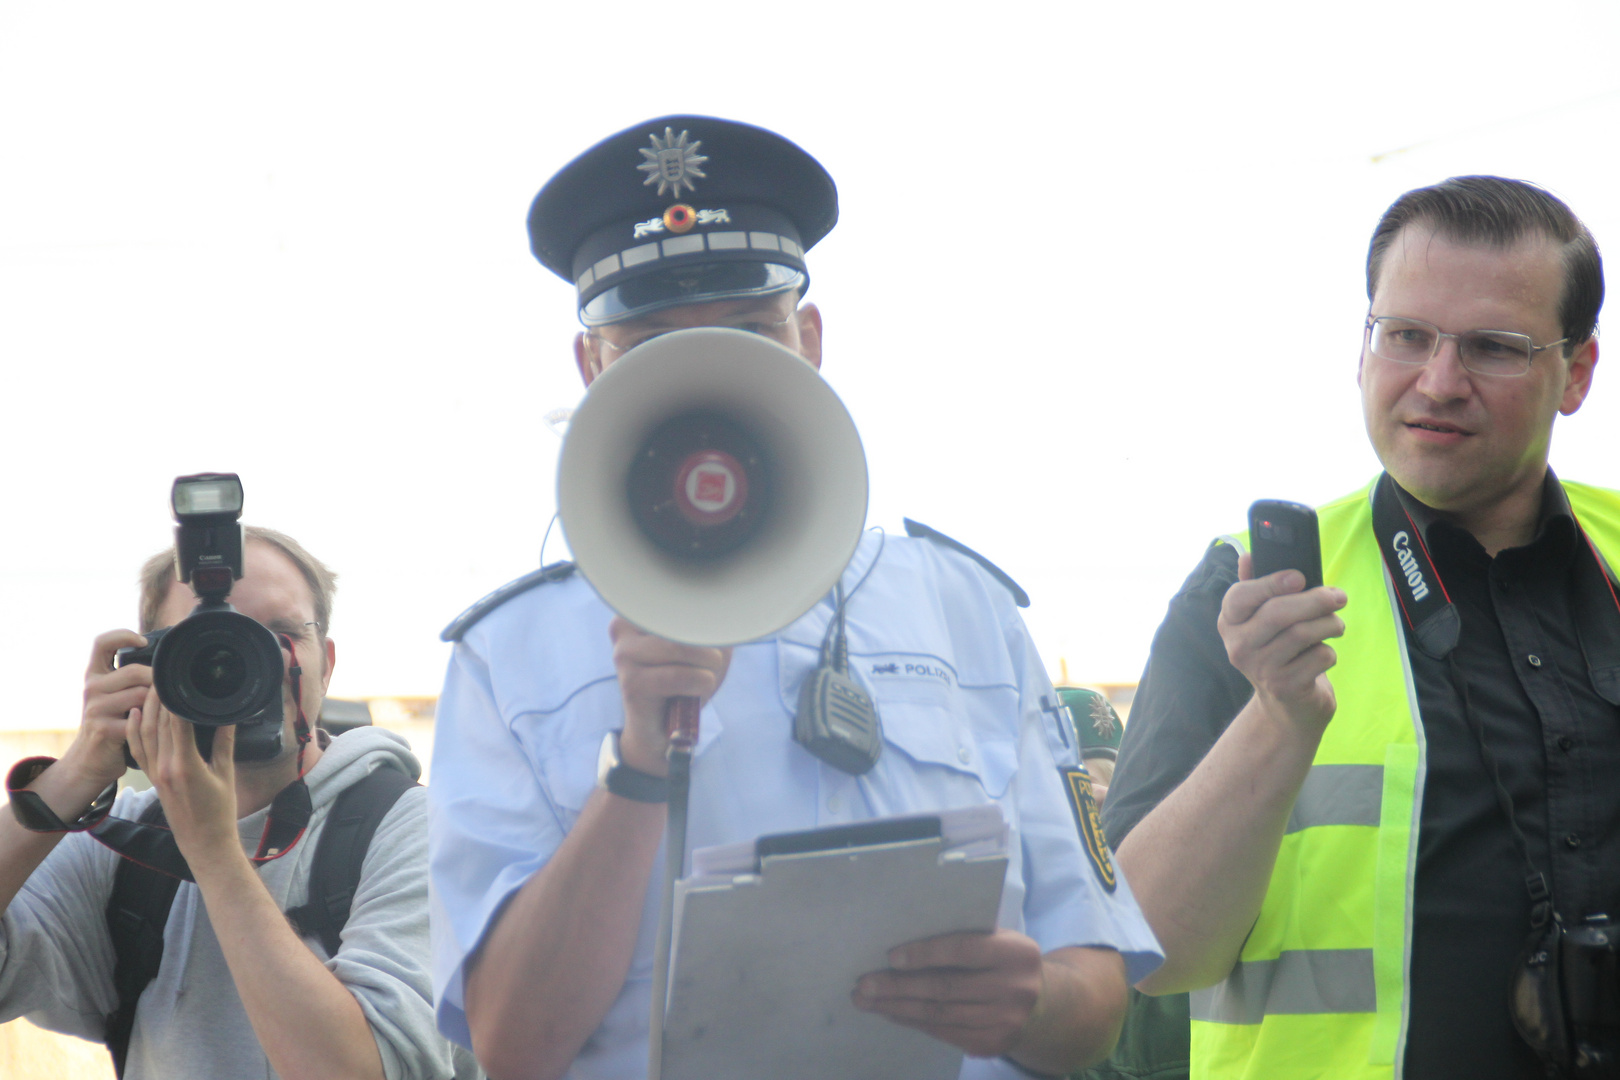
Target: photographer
1375, 857
239, 991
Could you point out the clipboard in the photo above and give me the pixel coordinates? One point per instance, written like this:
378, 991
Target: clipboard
765, 962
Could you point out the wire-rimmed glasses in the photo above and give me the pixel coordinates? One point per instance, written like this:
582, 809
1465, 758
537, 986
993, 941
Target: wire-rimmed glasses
1484, 352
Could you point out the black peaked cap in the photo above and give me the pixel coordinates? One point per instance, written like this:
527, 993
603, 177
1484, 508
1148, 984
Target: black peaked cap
592, 204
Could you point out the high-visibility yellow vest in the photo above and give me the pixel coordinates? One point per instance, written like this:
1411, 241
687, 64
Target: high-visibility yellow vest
1319, 989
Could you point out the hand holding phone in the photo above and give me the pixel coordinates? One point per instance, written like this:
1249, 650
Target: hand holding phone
1283, 536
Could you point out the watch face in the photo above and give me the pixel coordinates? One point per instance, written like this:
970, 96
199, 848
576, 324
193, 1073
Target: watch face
607, 757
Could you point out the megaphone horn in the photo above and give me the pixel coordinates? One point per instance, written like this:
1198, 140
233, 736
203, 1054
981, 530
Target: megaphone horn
712, 487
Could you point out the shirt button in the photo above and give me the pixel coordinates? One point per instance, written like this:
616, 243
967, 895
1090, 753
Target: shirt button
1565, 743
963, 756
835, 804
1573, 840
1535, 661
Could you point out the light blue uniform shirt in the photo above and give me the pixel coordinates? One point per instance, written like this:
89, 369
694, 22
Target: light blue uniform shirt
531, 690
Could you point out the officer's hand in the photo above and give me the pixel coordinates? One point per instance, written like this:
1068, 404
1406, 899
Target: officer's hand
974, 991
199, 797
651, 671
1275, 633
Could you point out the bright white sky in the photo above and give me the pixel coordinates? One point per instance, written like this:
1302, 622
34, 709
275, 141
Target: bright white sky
1097, 283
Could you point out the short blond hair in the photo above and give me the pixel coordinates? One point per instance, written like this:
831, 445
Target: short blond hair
157, 575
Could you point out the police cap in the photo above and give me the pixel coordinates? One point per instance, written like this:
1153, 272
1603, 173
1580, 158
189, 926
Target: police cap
681, 210
1096, 724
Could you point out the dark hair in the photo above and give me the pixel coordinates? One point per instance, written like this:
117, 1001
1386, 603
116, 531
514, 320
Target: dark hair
157, 576
1494, 212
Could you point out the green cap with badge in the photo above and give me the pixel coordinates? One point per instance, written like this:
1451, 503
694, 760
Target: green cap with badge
1096, 724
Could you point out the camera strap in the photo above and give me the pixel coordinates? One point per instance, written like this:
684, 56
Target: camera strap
295, 673
1435, 625
1431, 617
154, 846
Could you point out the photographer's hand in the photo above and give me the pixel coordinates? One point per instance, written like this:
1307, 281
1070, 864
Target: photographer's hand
92, 761
199, 797
96, 756
1200, 862
308, 1023
1276, 634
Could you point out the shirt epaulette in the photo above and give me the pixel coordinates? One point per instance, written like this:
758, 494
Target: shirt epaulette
458, 627
918, 529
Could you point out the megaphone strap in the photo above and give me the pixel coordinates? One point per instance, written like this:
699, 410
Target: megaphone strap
923, 532
464, 622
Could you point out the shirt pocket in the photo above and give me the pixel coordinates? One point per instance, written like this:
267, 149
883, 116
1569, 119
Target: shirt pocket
563, 744
953, 745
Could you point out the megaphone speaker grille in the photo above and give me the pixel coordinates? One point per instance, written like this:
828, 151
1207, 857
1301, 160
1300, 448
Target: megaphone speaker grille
700, 486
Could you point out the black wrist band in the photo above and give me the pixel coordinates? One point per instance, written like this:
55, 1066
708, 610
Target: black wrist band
637, 785
32, 812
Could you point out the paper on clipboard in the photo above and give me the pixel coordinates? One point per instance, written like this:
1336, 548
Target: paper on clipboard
768, 950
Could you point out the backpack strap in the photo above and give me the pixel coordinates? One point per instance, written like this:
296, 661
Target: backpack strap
137, 913
334, 876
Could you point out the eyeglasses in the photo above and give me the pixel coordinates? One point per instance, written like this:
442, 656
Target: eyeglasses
778, 332
1484, 352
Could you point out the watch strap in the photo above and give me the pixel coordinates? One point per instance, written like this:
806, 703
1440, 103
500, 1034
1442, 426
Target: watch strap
35, 815
622, 780
634, 784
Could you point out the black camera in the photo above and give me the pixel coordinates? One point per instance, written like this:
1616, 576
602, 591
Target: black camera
216, 666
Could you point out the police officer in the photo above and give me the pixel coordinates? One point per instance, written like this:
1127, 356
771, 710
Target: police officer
549, 772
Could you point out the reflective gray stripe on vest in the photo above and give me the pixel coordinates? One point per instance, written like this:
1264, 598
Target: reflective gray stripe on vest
1338, 795
1303, 981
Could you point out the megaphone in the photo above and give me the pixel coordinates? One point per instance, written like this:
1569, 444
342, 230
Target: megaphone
712, 487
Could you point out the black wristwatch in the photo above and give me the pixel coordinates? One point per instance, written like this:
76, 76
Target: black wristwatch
622, 780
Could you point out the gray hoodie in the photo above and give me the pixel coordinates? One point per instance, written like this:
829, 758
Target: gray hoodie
56, 959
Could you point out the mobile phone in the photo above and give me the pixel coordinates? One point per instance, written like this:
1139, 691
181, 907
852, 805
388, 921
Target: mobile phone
1283, 536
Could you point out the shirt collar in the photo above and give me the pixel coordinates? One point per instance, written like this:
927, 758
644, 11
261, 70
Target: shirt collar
1555, 529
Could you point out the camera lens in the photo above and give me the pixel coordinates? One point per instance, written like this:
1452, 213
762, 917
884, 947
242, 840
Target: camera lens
218, 672
217, 666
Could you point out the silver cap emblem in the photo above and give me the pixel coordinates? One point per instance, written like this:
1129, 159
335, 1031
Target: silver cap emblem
1102, 717
671, 163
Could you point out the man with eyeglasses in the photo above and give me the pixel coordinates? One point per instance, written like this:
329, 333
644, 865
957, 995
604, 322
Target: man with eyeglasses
1361, 857
549, 769
254, 974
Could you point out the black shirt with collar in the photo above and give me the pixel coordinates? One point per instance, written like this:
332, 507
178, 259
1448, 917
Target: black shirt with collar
1557, 741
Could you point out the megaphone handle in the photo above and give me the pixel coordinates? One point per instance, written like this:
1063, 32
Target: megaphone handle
681, 719
680, 778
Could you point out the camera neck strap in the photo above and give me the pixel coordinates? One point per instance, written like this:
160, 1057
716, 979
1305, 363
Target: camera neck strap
295, 674
152, 844
1435, 626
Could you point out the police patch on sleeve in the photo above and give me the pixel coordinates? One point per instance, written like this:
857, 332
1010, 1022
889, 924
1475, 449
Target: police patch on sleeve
1077, 783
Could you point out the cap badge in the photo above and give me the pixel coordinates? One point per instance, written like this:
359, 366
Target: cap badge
671, 163
679, 219
1102, 717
